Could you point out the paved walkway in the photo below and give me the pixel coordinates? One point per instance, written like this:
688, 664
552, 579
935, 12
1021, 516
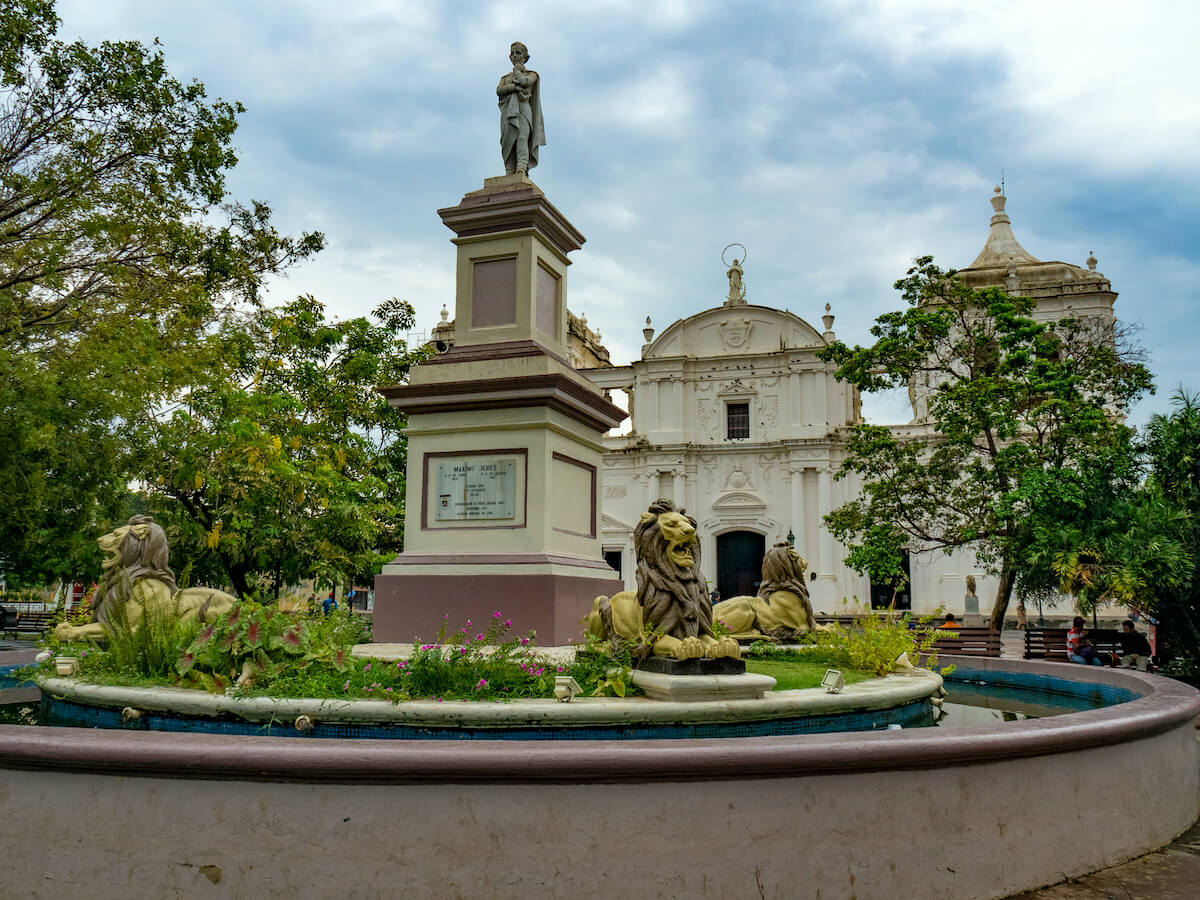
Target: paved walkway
1172, 873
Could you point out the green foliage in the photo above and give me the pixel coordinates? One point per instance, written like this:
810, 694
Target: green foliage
872, 645
286, 461
798, 672
151, 648
251, 643
119, 250
258, 651
1023, 432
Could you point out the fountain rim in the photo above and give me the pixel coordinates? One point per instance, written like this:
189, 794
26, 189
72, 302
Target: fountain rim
1164, 704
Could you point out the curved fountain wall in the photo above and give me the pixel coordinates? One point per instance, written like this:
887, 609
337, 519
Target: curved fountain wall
953, 813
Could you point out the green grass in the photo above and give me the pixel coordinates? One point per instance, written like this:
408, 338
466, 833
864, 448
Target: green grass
793, 674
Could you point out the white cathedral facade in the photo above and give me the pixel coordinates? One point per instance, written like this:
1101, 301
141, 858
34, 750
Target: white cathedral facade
736, 419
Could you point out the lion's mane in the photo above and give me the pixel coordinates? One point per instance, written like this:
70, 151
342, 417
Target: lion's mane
783, 572
674, 600
139, 558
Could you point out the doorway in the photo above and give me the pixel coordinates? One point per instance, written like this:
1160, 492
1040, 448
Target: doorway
613, 558
739, 563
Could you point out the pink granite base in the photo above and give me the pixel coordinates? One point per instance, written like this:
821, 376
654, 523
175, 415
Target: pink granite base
416, 606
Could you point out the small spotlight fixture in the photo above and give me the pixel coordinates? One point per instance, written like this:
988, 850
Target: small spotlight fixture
833, 682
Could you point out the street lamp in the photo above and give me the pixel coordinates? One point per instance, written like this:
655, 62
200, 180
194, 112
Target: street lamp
791, 538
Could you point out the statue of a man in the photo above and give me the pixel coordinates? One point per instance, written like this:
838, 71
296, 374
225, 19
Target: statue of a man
521, 129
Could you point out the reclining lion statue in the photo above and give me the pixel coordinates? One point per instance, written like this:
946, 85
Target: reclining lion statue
781, 610
670, 606
136, 578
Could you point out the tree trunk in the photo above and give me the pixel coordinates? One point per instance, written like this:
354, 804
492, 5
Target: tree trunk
1003, 593
238, 578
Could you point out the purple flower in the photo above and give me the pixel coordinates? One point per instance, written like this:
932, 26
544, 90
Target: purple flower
367, 667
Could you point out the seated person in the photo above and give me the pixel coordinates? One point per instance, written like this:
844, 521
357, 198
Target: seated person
950, 622
1079, 647
1135, 649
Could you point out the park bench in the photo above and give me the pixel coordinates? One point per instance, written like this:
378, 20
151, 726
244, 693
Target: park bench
968, 642
31, 623
1051, 643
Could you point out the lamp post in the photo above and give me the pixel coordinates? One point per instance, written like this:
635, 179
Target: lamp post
791, 538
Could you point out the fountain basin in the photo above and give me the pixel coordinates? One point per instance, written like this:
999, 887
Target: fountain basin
896, 699
981, 811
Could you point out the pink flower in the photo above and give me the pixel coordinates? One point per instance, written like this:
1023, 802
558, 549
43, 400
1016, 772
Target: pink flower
479, 637
540, 671
367, 667
508, 623
346, 686
482, 684
496, 614
439, 699
560, 668
389, 690
524, 641
468, 623
446, 616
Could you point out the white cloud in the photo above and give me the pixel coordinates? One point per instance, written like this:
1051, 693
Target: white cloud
1111, 84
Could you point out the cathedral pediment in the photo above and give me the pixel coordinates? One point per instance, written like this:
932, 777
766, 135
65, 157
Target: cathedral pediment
742, 501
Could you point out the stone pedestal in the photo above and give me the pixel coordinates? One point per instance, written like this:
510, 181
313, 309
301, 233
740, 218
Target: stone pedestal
702, 688
504, 440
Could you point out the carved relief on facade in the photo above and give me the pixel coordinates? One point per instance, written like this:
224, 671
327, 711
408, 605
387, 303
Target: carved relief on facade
735, 333
769, 409
767, 463
708, 465
738, 479
614, 492
706, 418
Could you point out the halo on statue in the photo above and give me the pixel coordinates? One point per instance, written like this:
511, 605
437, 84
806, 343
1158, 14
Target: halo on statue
726, 250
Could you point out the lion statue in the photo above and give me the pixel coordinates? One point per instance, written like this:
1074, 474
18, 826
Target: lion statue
671, 602
136, 578
781, 610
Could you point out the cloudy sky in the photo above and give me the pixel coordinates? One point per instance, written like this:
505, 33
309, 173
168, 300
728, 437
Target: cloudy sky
836, 141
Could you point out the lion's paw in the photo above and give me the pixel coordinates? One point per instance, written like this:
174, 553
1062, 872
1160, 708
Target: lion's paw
64, 631
728, 648
690, 648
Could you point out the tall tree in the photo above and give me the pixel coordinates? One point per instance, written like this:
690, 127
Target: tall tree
119, 249
288, 462
1022, 417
